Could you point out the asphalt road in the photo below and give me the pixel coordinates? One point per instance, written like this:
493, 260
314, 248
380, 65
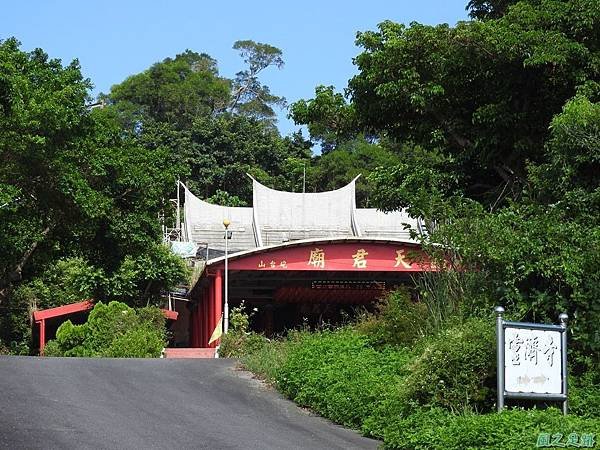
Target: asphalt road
152, 403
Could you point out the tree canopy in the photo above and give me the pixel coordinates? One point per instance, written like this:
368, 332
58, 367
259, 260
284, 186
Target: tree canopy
494, 123
75, 188
217, 129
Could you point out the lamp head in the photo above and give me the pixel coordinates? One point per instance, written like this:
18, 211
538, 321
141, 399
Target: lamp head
226, 223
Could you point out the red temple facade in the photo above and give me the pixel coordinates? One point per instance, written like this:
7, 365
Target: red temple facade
294, 258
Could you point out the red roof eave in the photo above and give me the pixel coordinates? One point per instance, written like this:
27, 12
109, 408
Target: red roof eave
43, 314
86, 305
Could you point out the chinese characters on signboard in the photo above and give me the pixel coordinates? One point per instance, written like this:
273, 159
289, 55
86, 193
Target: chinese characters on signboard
360, 259
532, 360
401, 260
272, 264
317, 258
357, 258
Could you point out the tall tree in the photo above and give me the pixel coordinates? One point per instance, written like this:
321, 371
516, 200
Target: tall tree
249, 96
330, 119
495, 122
481, 93
176, 91
73, 187
218, 129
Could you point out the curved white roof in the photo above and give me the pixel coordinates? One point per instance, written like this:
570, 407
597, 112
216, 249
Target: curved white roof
278, 217
287, 216
204, 224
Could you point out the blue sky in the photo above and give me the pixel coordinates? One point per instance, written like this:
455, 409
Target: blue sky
114, 39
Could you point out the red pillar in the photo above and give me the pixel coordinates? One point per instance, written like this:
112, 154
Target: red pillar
211, 301
193, 327
191, 330
42, 336
201, 326
210, 319
200, 319
218, 300
204, 322
198, 324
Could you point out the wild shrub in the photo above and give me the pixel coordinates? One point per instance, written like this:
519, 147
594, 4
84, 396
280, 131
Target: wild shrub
4, 350
338, 374
515, 429
456, 369
268, 360
398, 320
239, 341
584, 391
428, 398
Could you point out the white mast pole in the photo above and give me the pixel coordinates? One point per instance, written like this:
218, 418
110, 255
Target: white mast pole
178, 224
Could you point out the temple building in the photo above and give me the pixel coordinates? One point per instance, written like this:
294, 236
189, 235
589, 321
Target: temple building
293, 259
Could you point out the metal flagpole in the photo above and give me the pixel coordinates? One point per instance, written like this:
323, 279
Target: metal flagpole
178, 224
226, 223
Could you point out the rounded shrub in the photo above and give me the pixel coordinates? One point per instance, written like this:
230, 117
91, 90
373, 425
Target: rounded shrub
112, 330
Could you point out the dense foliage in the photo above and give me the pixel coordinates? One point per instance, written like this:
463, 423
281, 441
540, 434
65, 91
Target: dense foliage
424, 398
79, 199
113, 330
495, 123
217, 129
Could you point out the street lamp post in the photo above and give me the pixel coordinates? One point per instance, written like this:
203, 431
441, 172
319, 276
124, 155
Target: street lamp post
226, 224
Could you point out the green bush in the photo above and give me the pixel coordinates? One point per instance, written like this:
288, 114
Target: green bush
338, 374
456, 369
4, 350
268, 359
136, 343
238, 345
511, 430
584, 392
113, 330
426, 398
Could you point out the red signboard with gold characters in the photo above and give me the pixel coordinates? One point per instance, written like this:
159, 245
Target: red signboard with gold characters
359, 257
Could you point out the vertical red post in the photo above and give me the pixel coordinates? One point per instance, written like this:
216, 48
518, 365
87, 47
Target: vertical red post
198, 319
211, 301
205, 324
210, 319
42, 336
199, 325
202, 314
192, 329
218, 299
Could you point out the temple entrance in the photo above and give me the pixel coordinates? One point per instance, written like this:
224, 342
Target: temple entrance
302, 283
282, 301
